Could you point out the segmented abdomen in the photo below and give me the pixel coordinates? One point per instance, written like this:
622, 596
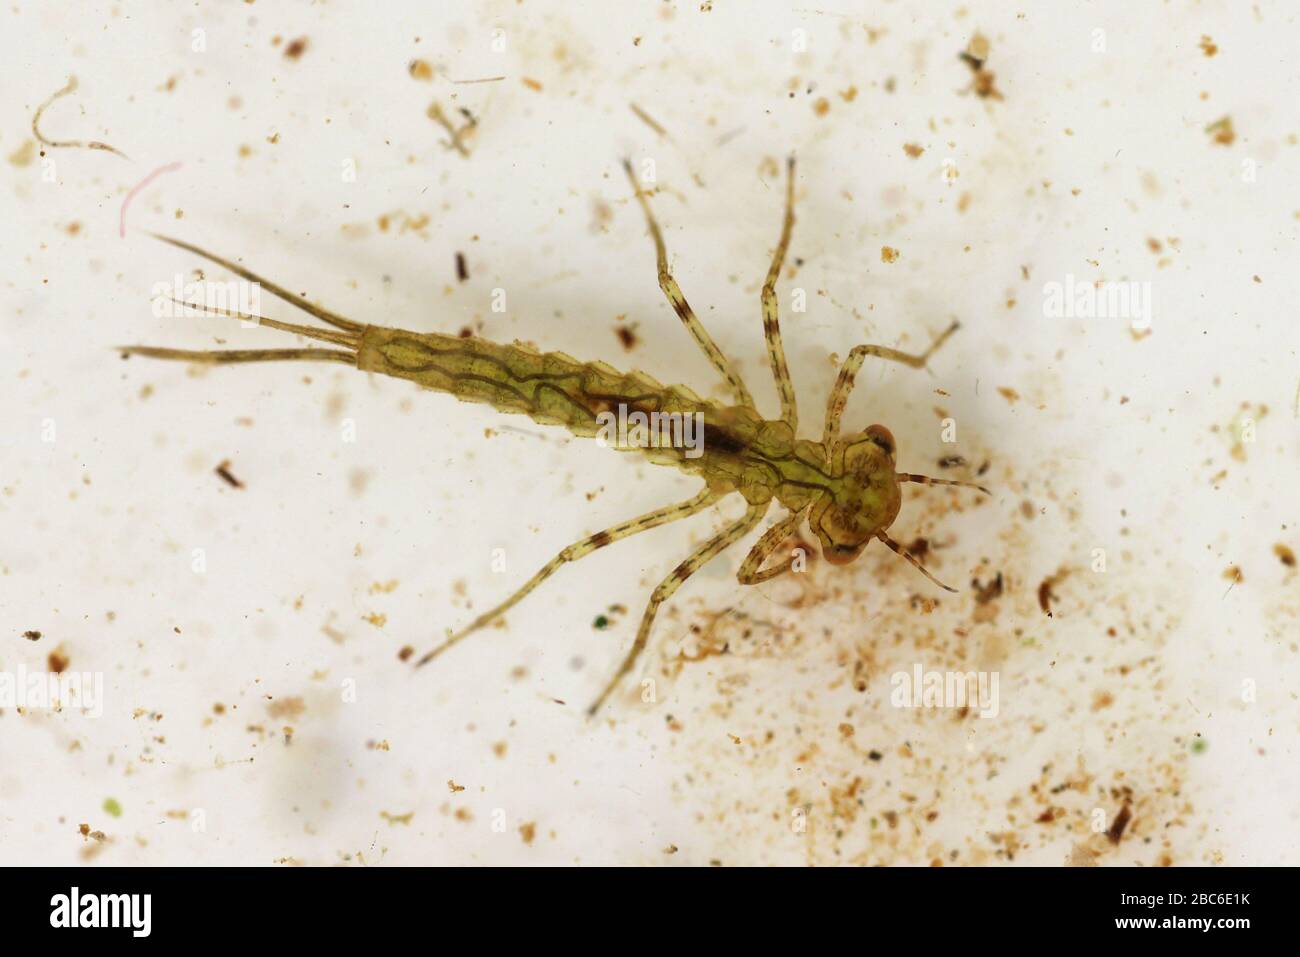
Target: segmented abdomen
733, 447
551, 388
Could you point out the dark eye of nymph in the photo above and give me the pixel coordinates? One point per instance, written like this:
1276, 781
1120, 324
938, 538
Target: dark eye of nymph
883, 438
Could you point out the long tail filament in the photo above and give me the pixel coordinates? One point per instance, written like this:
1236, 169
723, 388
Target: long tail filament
349, 337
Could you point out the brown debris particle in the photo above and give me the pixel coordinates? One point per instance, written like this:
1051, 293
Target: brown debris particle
1045, 594
532, 84
985, 87
913, 150
24, 155
1208, 46
462, 270
454, 786
1221, 131
975, 56
458, 134
1008, 393
626, 335
1283, 552
986, 593
420, 70
1082, 855
99, 837
58, 660
286, 708
888, 254
224, 471
822, 106
36, 635
295, 49
649, 121
528, 831
1120, 823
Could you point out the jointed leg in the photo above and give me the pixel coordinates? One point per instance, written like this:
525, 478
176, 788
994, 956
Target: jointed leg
572, 553
710, 549
848, 372
681, 306
752, 571
771, 326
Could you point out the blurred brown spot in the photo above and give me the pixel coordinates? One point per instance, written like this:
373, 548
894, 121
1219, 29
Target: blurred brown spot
1120, 823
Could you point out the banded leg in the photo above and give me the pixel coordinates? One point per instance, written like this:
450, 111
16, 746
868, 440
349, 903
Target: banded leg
572, 553
849, 371
683, 309
771, 324
701, 556
752, 571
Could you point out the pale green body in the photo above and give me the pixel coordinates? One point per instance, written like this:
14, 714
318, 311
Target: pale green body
845, 487
741, 451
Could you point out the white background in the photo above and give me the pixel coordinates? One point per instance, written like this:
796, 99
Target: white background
762, 755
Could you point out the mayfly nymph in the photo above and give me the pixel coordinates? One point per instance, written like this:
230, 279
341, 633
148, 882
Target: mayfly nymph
846, 486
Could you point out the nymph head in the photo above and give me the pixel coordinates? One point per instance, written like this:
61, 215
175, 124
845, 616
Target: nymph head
865, 497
